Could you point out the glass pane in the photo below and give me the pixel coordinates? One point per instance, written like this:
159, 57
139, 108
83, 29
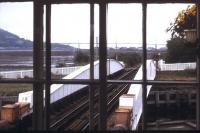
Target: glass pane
69, 106
125, 33
70, 38
16, 40
173, 56
174, 105
16, 105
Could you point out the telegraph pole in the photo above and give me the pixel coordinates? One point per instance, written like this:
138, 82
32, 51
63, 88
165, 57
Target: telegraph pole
116, 57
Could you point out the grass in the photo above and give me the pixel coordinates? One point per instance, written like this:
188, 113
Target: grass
176, 75
14, 89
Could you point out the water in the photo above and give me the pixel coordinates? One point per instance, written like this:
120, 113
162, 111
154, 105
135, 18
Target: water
23, 60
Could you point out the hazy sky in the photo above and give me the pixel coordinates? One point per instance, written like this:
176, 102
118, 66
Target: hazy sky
70, 23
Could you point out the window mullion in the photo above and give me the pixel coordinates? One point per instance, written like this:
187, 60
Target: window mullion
144, 57
102, 66
198, 69
48, 65
91, 91
38, 71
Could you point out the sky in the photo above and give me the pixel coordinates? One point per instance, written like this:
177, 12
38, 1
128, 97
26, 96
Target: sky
70, 23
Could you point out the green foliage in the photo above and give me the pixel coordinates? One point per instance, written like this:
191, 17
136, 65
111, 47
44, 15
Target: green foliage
186, 19
130, 59
81, 58
179, 51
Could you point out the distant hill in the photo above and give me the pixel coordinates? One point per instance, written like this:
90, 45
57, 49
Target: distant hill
10, 41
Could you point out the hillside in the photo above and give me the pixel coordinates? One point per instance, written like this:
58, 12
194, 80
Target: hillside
10, 41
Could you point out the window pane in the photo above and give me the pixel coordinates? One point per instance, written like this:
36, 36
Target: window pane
173, 57
171, 103
69, 105
125, 33
70, 38
16, 40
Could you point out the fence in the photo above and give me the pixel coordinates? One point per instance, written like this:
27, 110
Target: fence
176, 66
29, 73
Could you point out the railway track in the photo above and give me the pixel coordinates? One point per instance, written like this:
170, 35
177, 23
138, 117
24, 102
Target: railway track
75, 115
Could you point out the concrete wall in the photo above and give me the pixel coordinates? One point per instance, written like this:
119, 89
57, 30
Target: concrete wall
135, 102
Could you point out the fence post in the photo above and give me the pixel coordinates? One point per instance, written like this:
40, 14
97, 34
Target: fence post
21, 74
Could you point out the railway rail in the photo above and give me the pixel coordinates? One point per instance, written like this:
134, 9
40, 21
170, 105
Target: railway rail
72, 111
75, 115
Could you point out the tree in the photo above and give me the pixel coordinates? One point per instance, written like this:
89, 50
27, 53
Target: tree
81, 58
130, 59
178, 51
186, 19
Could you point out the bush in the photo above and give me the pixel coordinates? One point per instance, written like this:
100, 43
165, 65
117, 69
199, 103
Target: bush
178, 51
130, 59
81, 58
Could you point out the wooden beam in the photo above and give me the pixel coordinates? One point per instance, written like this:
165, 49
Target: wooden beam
91, 91
198, 69
48, 66
144, 69
107, 1
38, 62
102, 66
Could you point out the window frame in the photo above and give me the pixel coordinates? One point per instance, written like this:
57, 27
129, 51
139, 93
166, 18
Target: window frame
40, 122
